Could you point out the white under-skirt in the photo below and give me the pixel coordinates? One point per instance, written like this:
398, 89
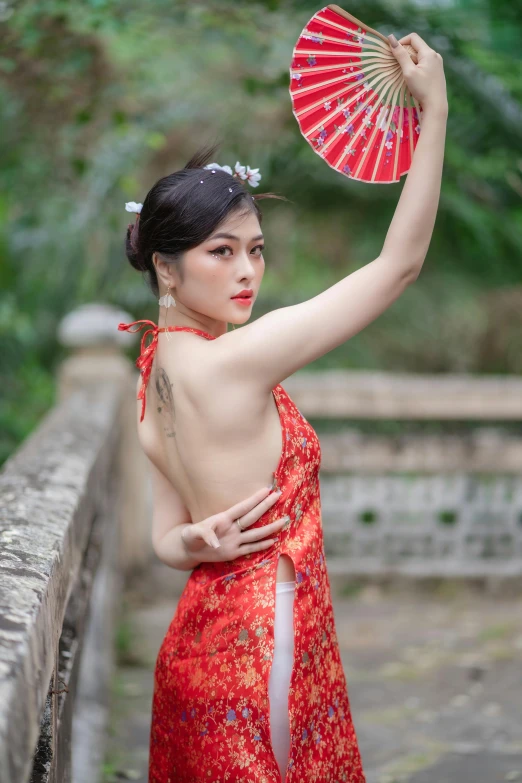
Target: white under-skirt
281, 671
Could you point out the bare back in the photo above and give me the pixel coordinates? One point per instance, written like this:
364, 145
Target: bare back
217, 443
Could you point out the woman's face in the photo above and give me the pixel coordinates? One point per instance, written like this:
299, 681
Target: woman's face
220, 268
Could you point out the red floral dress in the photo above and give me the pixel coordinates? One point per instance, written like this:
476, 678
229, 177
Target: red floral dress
210, 709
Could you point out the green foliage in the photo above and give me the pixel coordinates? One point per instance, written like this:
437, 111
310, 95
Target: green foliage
99, 98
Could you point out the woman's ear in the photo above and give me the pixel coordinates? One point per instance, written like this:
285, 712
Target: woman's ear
163, 271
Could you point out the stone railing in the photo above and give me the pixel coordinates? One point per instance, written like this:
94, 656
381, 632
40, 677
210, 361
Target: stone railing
419, 503
64, 552
74, 522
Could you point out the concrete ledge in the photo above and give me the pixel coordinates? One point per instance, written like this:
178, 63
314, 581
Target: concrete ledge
382, 395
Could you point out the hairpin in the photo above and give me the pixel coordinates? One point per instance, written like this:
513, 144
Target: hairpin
240, 172
132, 206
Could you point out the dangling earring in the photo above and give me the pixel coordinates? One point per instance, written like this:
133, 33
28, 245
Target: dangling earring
166, 301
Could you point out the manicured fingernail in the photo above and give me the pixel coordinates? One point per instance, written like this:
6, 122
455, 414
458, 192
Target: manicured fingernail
394, 42
216, 544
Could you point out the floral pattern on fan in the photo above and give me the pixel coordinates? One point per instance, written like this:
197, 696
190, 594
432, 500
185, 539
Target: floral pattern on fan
350, 98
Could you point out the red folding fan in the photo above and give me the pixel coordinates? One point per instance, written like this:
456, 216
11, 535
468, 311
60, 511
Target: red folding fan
350, 99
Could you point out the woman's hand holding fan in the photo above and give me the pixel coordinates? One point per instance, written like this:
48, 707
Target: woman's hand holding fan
424, 75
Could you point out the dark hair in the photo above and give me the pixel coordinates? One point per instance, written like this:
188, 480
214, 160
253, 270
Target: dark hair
180, 213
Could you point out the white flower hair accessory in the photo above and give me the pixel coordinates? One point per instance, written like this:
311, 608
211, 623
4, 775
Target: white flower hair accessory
132, 206
240, 172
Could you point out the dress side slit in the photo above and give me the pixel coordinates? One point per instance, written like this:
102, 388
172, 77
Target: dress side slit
281, 673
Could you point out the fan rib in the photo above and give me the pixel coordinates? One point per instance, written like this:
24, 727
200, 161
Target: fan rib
330, 53
402, 105
410, 120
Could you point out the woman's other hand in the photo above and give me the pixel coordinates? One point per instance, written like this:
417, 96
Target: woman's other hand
425, 79
200, 538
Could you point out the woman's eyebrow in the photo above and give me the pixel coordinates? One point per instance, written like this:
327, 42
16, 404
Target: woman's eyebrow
232, 236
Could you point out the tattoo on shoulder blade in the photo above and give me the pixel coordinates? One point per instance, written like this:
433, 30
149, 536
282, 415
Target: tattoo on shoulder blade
165, 406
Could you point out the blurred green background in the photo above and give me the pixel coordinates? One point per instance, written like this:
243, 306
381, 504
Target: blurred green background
99, 99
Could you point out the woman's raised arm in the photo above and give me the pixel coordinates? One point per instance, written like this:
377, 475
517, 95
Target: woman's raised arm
274, 346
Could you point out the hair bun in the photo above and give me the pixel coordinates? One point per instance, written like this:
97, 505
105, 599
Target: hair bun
131, 248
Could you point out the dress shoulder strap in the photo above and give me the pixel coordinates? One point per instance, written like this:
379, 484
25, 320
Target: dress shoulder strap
146, 357
186, 329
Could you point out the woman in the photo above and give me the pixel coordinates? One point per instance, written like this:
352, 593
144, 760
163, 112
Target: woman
249, 684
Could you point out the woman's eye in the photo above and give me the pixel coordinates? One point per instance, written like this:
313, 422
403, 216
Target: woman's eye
220, 250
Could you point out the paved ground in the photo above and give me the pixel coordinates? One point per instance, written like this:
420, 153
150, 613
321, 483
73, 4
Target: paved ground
434, 679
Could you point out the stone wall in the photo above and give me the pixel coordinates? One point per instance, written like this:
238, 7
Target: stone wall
426, 503
73, 523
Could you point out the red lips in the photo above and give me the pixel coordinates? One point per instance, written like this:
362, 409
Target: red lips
245, 292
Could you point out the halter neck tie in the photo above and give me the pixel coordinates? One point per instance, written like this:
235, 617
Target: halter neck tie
145, 359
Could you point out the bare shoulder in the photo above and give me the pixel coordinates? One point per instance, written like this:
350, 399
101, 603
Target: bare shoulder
186, 360
198, 367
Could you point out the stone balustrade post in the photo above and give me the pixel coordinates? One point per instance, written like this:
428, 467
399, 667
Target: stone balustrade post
97, 356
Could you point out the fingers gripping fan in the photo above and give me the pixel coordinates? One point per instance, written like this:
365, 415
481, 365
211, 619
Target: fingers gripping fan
350, 99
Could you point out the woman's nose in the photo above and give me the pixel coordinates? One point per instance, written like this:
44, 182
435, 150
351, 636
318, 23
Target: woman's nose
247, 268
